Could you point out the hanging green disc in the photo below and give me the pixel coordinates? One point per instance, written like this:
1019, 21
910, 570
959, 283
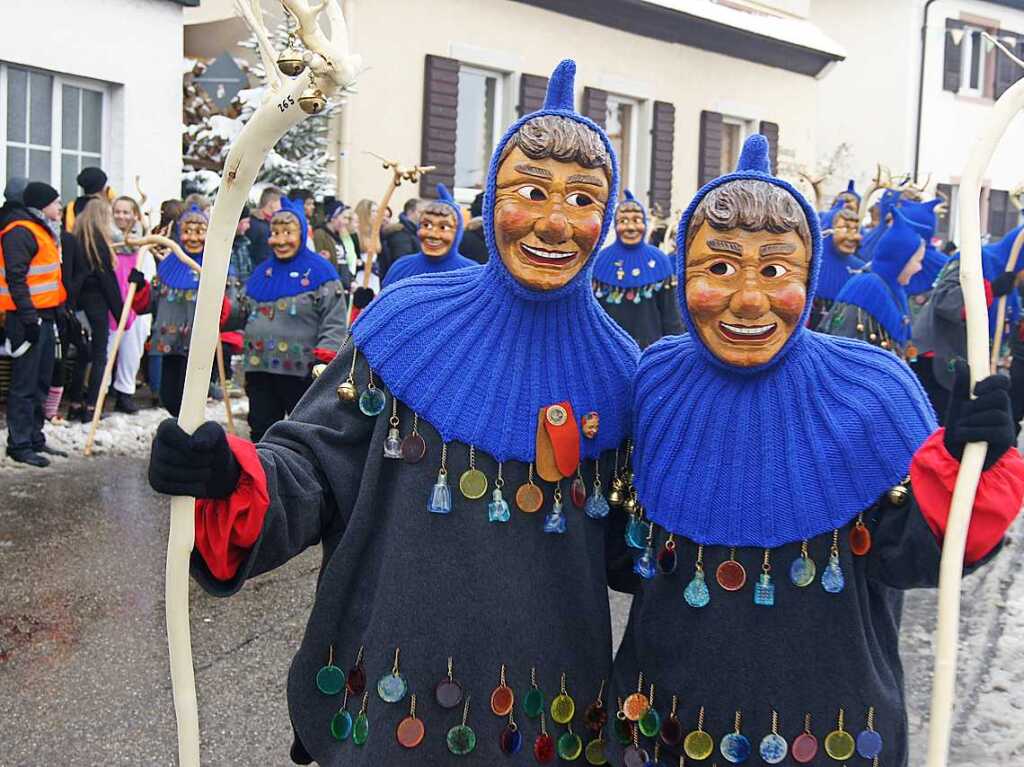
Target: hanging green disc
533, 703
473, 484
330, 679
623, 732
361, 729
698, 745
461, 740
570, 746
563, 707
839, 745
594, 752
650, 722
341, 725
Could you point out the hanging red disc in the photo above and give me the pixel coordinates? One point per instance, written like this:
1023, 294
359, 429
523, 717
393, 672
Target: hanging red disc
529, 498
356, 680
730, 575
413, 448
544, 749
860, 540
804, 748
578, 493
410, 732
502, 699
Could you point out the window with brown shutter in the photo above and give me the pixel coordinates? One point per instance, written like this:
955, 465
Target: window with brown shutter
771, 132
709, 152
440, 113
1007, 71
532, 89
951, 64
663, 129
595, 105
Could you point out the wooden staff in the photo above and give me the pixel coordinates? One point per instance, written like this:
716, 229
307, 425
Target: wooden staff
997, 331
955, 539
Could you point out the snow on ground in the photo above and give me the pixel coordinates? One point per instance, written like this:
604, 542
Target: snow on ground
119, 434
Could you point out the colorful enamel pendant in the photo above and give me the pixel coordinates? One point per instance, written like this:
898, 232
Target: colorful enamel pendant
805, 745
510, 741
578, 489
735, 747
596, 506
773, 748
555, 521
730, 574
633, 755
413, 446
832, 579
621, 727
410, 731
671, 728
860, 537
839, 743
361, 726
392, 687
440, 501
330, 680
802, 572
696, 593
341, 722
594, 753
563, 707
636, 532
544, 745
461, 738
569, 746
533, 703
529, 497
596, 715
668, 560
355, 680
448, 692
497, 509
650, 722
869, 742
764, 589
473, 482
698, 744
636, 704
393, 442
372, 400
502, 698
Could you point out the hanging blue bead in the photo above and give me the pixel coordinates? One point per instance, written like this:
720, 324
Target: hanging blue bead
832, 579
773, 748
802, 571
869, 744
645, 565
735, 748
554, 522
696, 593
764, 591
636, 533
440, 495
596, 506
497, 509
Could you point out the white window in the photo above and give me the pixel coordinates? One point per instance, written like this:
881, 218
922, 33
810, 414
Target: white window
621, 124
478, 127
972, 62
734, 132
51, 126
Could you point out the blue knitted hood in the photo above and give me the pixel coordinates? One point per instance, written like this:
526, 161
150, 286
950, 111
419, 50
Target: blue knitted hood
632, 266
477, 354
777, 453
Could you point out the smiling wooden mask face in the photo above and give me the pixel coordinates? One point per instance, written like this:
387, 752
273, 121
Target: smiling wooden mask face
547, 218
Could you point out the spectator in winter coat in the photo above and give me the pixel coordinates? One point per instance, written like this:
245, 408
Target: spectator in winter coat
31, 292
259, 224
93, 182
473, 246
328, 242
399, 239
241, 248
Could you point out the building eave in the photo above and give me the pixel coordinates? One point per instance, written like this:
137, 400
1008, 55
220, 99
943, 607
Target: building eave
794, 45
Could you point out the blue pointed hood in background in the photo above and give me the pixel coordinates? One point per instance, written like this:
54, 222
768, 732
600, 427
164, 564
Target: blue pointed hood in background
995, 257
826, 426
632, 266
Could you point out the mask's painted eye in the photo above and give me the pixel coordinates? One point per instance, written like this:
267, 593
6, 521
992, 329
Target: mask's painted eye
722, 269
534, 193
579, 199
774, 270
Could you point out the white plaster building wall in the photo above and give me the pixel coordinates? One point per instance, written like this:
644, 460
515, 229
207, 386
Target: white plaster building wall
135, 46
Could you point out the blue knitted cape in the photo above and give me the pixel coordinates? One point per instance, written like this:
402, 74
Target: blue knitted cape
305, 271
477, 354
631, 266
420, 263
835, 267
776, 453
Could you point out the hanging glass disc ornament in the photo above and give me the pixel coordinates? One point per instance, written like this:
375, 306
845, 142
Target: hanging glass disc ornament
621, 727
555, 521
529, 497
730, 574
594, 753
330, 679
698, 744
832, 579
361, 726
355, 680
773, 748
578, 491
372, 401
869, 741
448, 692
440, 501
668, 560
802, 571
392, 687
393, 442
636, 704
502, 698
735, 747
410, 731
805, 745
650, 722
860, 538
473, 482
636, 532
533, 703
839, 744
413, 446
596, 715
696, 593
634, 756
570, 746
341, 722
671, 728
563, 707
510, 741
461, 738
544, 745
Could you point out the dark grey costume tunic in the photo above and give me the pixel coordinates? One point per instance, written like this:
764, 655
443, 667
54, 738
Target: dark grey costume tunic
647, 313
396, 576
850, 321
173, 310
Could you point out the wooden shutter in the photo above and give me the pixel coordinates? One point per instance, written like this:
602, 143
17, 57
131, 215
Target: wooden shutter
663, 130
1007, 71
595, 105
771, 132
1012, 219
440, 111
532, 89
942, 225
709, 153
951, 58
998, 200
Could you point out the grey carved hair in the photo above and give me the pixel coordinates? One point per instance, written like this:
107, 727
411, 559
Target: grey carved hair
751, 205
629, 206
437, 209
563, 139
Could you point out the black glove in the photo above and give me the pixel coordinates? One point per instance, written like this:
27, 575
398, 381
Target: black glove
986, 418
31, 331
362, 297
201, 465
1003, 284
137, 278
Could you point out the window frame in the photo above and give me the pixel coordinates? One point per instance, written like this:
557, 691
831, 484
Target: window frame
632, 180
466, 194
747, 129
966, 53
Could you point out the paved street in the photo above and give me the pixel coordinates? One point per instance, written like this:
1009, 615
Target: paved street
83, 664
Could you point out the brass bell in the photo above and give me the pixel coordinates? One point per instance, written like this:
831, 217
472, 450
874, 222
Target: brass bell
312, 101
347, 391
615, 495
873, 337
860, 327
290, 62
899, 495
885, 344
629, 505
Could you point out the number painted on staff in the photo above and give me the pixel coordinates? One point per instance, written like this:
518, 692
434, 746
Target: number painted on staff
286, 103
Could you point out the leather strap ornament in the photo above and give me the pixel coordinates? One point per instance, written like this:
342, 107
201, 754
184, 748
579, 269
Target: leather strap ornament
558, 442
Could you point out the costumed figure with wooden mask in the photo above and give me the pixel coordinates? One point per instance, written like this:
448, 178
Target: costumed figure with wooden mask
839, 259
454, 464
772, 462
634, 281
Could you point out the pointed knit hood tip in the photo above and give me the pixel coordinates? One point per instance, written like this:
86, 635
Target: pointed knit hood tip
779, 453
477, 354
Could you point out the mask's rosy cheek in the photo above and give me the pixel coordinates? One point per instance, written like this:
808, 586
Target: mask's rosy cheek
705, 299
788, 300
512, 222
587, 230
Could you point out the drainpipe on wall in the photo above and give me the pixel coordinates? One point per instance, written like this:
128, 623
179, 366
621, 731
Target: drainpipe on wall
920, 88
343, 162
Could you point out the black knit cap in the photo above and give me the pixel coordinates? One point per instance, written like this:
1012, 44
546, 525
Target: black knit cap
92, 180
38, 195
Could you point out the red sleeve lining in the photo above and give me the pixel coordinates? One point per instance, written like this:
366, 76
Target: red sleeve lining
140, 301
325, 356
